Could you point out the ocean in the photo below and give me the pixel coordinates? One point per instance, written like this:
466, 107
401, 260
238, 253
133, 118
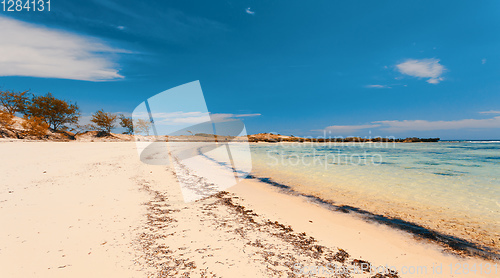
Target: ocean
449, 187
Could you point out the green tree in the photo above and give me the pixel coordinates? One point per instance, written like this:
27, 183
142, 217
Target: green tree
127, 123
103, 121
14, 102
56, 113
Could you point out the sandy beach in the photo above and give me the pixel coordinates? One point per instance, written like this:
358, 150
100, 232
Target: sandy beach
93, 209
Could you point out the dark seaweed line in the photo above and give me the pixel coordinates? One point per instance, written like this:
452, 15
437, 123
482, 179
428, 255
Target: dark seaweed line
460, 246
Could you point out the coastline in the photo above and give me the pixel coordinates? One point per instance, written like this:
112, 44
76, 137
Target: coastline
377, 243
427, 201
112, 215
452, 244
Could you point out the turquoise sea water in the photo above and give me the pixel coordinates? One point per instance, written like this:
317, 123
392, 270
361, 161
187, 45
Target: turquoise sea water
449, 187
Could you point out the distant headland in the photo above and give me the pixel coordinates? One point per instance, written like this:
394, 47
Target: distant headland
275, 138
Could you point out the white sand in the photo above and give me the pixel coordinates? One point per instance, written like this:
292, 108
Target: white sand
69, 209
94, 210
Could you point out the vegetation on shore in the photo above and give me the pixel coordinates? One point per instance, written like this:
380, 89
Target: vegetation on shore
24, 115
47, 117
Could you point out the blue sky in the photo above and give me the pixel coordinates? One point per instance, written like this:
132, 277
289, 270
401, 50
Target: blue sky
365, 68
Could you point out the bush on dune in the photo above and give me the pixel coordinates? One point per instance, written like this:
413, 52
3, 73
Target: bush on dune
41, 114
34, 127
56, 113
14, 102
6, 120
103, 121
127, 123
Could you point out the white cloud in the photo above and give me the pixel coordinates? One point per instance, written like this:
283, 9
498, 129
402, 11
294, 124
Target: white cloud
378, 86
197, 122
32, 50
225, 115
181, 118
424, 68
344, 129
419, 125
85, 120
490, 112
483, 61
434, 80
249, 11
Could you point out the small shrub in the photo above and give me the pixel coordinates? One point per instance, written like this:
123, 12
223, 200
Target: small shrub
57, 113
142, 126
6, 120
127, 123
14, 102
103, 121
34, 127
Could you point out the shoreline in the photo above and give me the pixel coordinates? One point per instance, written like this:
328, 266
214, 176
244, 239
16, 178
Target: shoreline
110, 214
423, 195
454, 245
375, 244
379, 244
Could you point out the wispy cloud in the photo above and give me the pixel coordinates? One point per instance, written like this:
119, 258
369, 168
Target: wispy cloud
345, 129
419, 125
483, 61
221, 117
183, 28
196, 117
249, 11
424, 68
490, 112
32, 50
377, 86
178, 118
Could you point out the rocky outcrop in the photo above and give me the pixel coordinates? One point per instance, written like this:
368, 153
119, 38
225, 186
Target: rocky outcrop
274, 138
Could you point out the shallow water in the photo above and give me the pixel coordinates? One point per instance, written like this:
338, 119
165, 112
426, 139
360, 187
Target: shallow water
450, 187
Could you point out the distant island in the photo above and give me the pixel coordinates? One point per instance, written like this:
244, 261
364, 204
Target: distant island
275, 138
